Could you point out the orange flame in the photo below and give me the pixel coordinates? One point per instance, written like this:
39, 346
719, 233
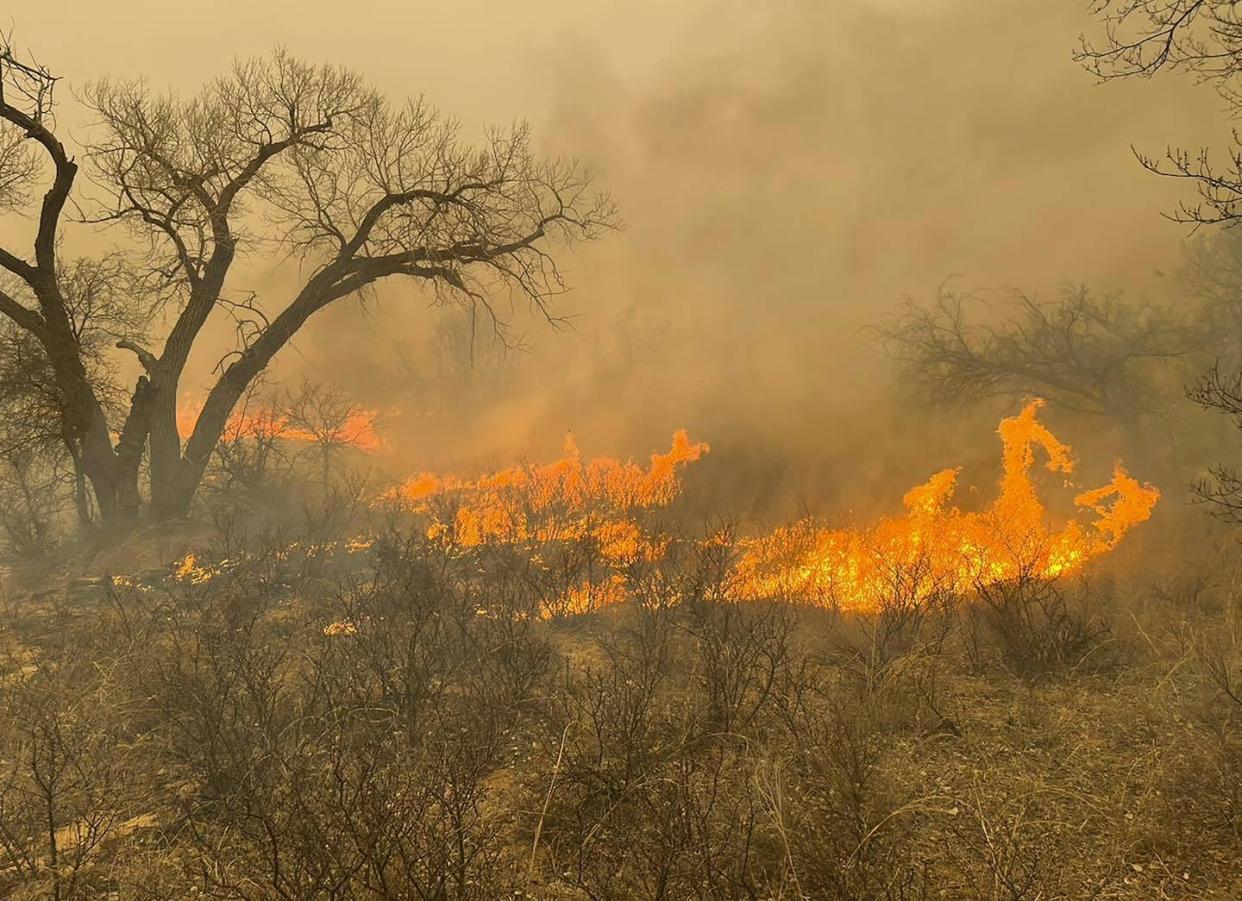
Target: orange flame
562, 500
357, 431
933, 547
947, 548
568, 500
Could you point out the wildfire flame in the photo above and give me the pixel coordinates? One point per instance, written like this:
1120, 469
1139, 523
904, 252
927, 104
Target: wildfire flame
933, 547
943, 546
568, 500
358, 430
937, 545
555, 501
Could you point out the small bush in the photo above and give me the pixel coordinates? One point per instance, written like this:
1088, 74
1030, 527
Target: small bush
1040, 629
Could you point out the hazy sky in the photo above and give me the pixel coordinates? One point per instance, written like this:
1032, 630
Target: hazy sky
788, 172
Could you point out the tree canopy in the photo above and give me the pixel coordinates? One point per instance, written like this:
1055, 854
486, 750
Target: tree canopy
277, 155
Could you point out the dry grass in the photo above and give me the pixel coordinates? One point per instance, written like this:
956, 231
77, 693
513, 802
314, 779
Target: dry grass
211, 739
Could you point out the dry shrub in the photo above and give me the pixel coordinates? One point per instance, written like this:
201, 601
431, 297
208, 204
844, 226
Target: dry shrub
893, 658
416, 727
744, 652
1205, 774
848, 827
1040, 627
67, 771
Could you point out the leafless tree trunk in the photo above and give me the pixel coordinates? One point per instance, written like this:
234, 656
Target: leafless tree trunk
361, 189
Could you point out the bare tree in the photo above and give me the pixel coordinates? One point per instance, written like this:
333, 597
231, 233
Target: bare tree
1084, 353
29, 503
29, 146
1211, 278
1221, 490
1202, 38
326, 418
98, 296
360, 190
32, 442
250, 453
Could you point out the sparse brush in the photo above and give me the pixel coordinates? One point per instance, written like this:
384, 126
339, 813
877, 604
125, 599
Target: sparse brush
1041, 629
412, 718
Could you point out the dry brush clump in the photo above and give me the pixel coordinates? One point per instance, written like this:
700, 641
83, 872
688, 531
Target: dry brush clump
1204, 779
413, 720
1042, 627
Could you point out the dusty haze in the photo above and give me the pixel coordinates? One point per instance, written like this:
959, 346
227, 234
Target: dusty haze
788, 173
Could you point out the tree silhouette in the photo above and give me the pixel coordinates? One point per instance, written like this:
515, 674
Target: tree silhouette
277, 154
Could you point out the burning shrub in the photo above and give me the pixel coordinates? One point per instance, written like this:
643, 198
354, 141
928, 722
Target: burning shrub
951, 549
464, 707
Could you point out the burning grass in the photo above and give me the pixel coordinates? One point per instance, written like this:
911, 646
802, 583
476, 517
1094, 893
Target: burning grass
416, 713
415, 729
602, 501
950, 548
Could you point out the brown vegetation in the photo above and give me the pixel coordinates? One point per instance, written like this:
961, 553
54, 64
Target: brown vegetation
401, 722
552, 682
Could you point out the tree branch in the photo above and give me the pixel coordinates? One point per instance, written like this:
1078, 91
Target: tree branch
19, 267
28, 319
33, 126
145, 357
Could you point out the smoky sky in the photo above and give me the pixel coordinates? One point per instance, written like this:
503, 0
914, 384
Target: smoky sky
788, 173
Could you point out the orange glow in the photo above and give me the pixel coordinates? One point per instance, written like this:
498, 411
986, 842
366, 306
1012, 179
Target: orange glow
563, 500
590, 503
937, 546
934, 546
593, 509
357, 431
941, 546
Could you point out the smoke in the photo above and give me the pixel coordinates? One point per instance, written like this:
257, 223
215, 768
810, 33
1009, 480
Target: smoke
786, 181
788, 173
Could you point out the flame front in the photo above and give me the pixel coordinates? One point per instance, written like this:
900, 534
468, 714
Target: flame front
938, 545
933, 547
564, 500
942, 546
